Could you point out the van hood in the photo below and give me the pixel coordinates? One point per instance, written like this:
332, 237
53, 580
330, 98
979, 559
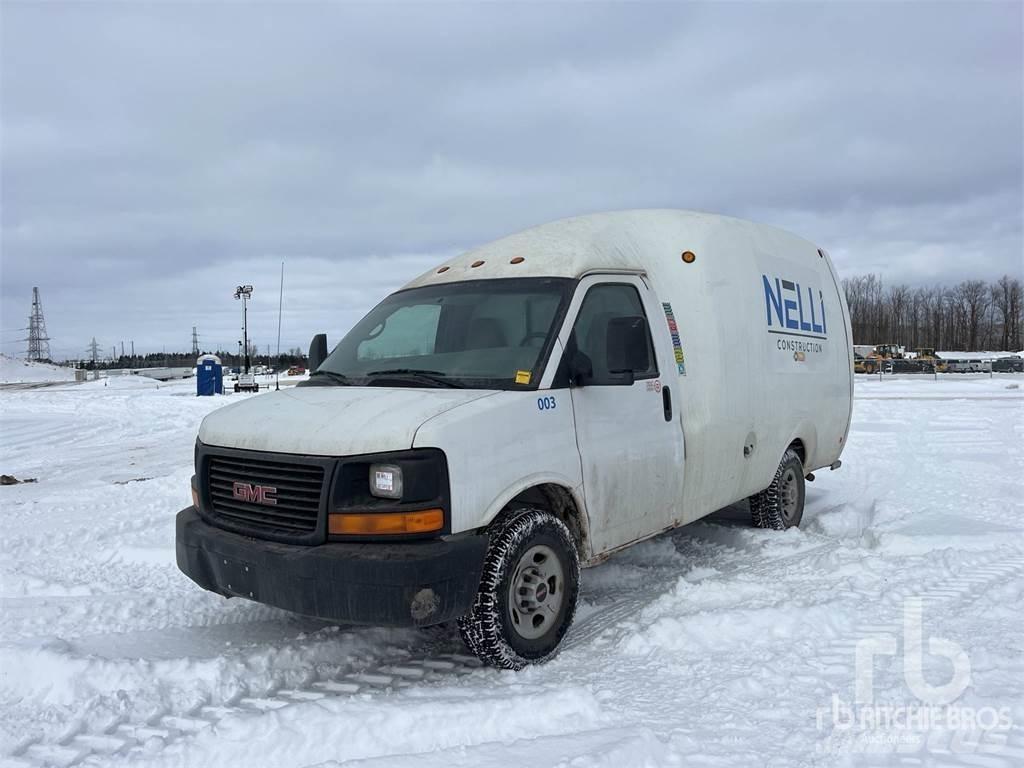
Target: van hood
331, 421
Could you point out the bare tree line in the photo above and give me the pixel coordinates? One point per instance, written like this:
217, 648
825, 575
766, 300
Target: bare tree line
971, 316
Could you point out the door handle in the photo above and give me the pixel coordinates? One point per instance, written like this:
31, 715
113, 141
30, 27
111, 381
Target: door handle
666, 402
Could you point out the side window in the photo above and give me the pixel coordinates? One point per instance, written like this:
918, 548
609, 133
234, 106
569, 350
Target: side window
590, 332
408, 332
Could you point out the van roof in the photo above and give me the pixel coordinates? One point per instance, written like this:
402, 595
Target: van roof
617, 240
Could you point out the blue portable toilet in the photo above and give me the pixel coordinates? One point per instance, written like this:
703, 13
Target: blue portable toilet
209, 376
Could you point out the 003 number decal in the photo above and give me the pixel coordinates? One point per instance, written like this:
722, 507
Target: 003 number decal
546, 404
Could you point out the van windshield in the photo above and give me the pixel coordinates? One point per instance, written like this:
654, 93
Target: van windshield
481, 334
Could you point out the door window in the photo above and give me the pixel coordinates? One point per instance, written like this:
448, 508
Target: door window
590, 332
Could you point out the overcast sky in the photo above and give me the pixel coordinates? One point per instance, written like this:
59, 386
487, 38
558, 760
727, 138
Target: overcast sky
154, 156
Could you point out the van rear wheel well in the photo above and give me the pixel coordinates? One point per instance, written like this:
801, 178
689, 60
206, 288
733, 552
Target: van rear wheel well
558, 501
798, 447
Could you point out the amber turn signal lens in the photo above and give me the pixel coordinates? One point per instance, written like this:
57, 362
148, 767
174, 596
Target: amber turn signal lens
689, 257
424, 521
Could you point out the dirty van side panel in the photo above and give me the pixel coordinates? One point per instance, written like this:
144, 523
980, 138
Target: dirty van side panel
500, 445
805, 351
747, 380
713, 379
629, 441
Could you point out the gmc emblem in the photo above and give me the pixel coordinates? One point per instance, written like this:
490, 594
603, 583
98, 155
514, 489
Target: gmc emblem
255, 494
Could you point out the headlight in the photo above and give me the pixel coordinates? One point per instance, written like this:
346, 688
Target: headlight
386, 481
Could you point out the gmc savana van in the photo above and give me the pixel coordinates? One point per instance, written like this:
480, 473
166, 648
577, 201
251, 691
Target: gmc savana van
522, 411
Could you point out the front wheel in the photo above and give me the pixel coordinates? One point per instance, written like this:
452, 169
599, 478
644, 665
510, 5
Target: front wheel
528, 591
781, 504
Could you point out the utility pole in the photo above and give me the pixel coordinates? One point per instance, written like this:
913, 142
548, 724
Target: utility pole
195, 342
244, 292
122, 349
94, 351
38, 341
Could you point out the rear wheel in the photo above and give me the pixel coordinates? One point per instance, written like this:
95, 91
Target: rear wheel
781, 504
528, 591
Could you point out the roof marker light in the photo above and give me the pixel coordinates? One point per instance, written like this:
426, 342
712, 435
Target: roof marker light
443, 269
476, 264
516, 260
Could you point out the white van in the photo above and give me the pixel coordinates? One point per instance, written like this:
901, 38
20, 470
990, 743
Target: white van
523, 410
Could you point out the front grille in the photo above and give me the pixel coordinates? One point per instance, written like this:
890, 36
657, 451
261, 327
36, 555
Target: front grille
299, 487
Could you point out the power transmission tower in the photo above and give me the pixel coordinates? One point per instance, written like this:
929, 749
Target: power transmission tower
94, 350
195, 342
38, 341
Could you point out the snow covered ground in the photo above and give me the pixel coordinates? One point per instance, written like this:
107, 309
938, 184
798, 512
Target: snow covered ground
716, 645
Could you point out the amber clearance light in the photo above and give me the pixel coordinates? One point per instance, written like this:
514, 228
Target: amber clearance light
423, 521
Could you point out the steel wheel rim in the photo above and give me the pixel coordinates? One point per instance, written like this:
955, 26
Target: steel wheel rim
790, 494
536, 591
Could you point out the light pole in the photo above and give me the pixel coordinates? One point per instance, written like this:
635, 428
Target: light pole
244, 292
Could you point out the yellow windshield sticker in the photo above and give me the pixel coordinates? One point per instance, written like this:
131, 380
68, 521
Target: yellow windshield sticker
522, 377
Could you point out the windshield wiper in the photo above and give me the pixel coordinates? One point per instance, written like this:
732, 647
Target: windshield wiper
434, 377
337, 378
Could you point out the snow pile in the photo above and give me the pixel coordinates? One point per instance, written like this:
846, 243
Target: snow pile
15, 371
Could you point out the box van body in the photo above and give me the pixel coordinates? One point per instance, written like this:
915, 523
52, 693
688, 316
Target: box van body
620, 373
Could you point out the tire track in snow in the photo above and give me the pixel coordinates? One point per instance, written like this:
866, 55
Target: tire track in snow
839, 660
126, 735
133, 735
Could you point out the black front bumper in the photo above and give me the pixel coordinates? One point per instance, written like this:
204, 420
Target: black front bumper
403, 584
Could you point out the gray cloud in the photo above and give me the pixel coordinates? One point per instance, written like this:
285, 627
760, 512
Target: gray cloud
156, 155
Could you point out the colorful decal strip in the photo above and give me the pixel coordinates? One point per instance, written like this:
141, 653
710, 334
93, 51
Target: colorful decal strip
674, 330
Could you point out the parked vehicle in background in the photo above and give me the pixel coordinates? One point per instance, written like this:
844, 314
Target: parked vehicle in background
968, 365
247, 383
892, 358
903, 365
929, 360
1012, 364
296, 370
524, 410
880, 358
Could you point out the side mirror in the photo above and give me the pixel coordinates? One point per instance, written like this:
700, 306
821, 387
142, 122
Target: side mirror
581, 369
627, 347
317, 351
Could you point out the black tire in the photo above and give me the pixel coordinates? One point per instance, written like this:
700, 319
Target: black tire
489, 629
781, 504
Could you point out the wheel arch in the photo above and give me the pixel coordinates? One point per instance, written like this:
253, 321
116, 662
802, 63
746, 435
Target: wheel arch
555, 497
804, 440
798, 446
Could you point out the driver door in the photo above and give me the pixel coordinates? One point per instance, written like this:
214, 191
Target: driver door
627, 429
